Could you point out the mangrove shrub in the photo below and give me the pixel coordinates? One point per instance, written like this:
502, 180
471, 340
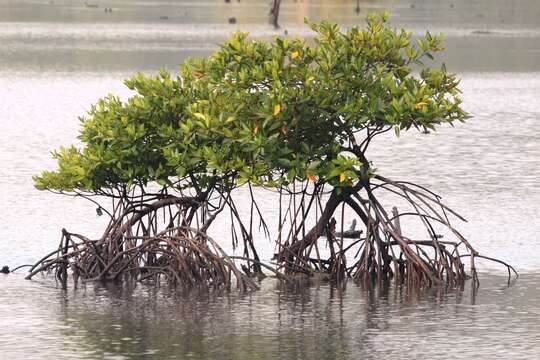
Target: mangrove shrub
294, 116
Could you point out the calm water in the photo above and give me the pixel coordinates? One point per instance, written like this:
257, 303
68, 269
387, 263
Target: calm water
58, 57
317, 323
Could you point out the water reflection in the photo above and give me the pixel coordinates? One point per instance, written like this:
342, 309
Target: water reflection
317, 322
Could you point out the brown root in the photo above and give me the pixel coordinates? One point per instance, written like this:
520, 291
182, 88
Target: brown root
180, 257
177, 250
381, 251
132, 248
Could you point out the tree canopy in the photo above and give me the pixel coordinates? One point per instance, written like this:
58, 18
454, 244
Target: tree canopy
265, 112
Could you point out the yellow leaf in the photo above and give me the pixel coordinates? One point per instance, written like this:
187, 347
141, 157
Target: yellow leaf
80, 170
200, 116
256, 128
277, 109
342, 177
295, 55
420, 105
197, 74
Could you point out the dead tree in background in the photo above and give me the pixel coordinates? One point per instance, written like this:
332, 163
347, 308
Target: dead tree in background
273, 15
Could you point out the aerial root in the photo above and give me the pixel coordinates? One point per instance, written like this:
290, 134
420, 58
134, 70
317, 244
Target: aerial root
381, 251
135, 247
181, 256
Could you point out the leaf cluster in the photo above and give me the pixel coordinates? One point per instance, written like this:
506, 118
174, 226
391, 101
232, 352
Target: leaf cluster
267, 113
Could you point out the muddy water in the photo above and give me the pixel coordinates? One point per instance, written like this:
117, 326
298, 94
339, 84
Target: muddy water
58, 57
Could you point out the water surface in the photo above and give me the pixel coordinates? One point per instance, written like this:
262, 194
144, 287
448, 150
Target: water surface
318, 322
56, 58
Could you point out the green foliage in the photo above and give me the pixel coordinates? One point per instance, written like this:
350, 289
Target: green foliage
123, 141
269, 113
